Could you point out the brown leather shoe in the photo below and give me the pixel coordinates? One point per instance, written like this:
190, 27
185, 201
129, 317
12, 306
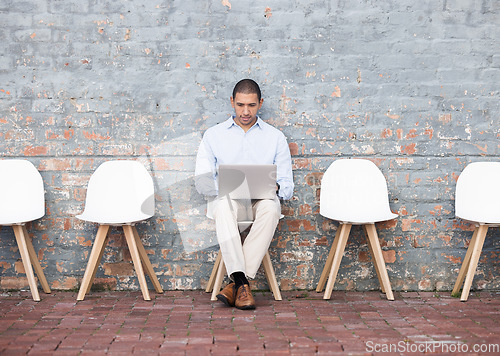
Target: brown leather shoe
227, 295
244, 298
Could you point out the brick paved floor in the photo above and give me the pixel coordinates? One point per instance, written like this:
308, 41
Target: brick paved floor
188, 323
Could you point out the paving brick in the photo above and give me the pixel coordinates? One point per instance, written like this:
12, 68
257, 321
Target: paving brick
251, 332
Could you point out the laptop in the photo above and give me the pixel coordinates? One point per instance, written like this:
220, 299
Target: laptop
242, 181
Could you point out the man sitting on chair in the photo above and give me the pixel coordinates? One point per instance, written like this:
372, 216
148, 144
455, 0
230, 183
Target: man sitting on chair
243, 139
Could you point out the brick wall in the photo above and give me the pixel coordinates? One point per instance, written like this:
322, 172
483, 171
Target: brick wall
411, 85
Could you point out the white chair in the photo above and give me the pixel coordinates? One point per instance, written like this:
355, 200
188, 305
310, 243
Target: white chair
22, 200
119, 193
219, 270
477, 199
354, 192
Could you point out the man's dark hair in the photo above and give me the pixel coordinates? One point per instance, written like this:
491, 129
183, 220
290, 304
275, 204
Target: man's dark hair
247, 86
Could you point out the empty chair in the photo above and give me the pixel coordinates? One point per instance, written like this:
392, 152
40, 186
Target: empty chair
477, 199
354, 192
119, 193
22, 200
219, 270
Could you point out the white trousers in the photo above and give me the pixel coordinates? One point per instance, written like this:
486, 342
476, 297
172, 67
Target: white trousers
245, 256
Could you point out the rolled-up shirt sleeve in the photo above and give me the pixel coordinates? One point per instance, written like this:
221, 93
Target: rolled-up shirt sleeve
283, 161
205, 171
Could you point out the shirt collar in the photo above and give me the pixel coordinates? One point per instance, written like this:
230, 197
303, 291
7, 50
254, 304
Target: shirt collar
230, 122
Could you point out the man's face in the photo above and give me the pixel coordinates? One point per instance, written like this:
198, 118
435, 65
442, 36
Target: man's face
246, 107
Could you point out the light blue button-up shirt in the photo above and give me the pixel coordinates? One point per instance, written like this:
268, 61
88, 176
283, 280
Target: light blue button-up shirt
228, 143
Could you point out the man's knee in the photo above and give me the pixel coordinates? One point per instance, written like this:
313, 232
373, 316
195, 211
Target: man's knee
227, 208
269, 207
222, 206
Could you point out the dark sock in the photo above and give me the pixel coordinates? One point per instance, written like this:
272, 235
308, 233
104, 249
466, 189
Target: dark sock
239, 279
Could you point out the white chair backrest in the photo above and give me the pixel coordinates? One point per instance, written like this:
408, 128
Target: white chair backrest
355, 191
119, 192
22, 196
477, 195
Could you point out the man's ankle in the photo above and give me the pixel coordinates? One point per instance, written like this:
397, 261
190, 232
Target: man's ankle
239, 279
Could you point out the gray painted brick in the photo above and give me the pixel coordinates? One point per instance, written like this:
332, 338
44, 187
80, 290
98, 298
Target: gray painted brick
69, 6
38, 35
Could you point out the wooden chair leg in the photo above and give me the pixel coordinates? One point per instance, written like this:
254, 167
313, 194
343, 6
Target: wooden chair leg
379, 260
136, 258
146, 262
339, 252
35, 262
465, 265
103, 229
373, 260
271, 276
211, 280
221, 271
25, 257
94, 258
474, 259
328, 263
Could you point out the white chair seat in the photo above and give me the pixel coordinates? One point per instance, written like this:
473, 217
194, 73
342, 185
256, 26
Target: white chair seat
355, 192
22, 192
477, 195
119, 192
382, 216
114, 219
